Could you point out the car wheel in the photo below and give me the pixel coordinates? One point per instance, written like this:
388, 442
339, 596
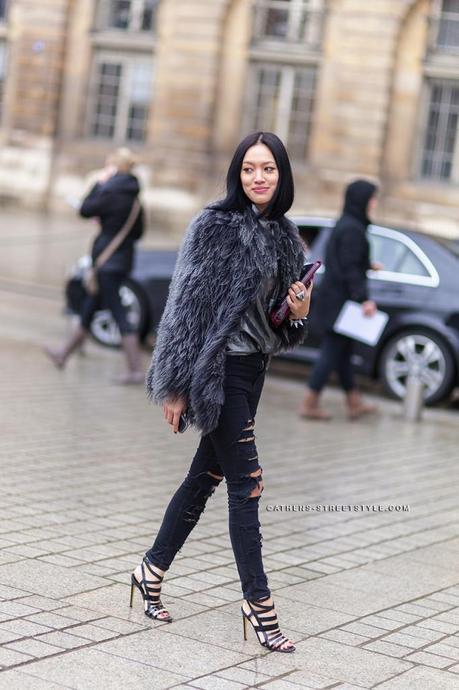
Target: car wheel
422, 352
104, 328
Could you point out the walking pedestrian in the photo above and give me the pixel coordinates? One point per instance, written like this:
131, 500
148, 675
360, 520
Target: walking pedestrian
347, 259
114, 201
239, 256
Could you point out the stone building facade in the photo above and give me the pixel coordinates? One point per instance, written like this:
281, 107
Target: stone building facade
353, 87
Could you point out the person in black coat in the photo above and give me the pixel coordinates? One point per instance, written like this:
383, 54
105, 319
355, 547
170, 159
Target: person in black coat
110, 200
347, 260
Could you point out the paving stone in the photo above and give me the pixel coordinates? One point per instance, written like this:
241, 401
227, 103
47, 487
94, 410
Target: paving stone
419, 630
444, 649
192, 658
91, 669
24, 628
378, 621
243, 675
41, 603
405, 640
18, 680
439, 626
120, 626
64, 640
79, 614
9, 657
367, 631
429, 659
92, 632
50, 580
216, 682
421, 678
52, 620
338, 599
350, 664
37, 647
434, 604
399, 616
11, 592
388, 648
282, 684
344, 637
12, 609
311, 680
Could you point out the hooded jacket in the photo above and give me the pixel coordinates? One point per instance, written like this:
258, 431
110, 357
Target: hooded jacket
112, 202
219, 271
347, 257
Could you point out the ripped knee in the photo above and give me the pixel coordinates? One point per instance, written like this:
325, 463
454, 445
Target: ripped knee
258, 489
204, 485
248, 486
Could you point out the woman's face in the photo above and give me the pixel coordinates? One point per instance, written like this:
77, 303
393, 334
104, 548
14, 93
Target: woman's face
259, 175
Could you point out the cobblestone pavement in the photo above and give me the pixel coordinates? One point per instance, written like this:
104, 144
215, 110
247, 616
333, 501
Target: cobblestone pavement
371, 598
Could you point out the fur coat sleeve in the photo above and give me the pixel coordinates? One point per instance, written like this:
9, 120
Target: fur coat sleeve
218, 272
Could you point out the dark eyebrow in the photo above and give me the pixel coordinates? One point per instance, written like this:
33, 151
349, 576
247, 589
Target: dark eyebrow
265, 163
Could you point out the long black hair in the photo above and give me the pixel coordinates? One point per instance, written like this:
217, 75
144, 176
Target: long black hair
237, 200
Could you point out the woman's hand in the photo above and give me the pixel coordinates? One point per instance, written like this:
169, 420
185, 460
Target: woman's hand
369, 307
172, 410
106, 173
299, 308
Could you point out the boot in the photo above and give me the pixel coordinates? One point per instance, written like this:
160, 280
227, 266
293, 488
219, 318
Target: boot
59, 356
135, 373
356, 407
310, 408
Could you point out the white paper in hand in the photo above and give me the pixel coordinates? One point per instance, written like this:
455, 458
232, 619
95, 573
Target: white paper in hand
352, 322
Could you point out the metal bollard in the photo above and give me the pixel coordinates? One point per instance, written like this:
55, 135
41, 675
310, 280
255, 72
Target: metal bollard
414, 398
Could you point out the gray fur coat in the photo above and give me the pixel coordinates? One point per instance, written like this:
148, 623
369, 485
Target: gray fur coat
219, 270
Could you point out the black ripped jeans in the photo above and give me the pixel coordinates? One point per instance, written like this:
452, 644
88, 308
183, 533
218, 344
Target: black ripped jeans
228, 451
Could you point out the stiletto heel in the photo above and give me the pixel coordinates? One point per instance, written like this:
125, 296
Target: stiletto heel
150, 589
244, 624
268, 633
132, 590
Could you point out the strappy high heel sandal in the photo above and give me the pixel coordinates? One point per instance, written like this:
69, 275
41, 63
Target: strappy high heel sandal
150, 592
266, 628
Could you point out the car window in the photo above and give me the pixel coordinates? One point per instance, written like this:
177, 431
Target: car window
395, 256
309, 233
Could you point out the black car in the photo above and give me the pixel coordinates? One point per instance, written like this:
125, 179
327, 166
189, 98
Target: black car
417, 287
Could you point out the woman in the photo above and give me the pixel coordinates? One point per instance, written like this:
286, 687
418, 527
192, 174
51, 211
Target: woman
347, 259
214, 342
111, 200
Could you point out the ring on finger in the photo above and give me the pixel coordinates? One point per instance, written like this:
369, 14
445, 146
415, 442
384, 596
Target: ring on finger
300, 295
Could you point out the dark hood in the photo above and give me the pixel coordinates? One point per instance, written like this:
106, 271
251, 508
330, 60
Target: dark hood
124, 183
356, 199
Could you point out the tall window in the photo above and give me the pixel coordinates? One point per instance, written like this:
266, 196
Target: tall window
295, 21
440, 150
281, 99
121, 98
127, 15
285, 48
2, 9
2, 72
448, 26
441, 141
